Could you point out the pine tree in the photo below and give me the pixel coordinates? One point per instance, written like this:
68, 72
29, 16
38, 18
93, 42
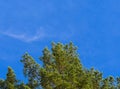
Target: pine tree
11, 81
61, 67
31, 71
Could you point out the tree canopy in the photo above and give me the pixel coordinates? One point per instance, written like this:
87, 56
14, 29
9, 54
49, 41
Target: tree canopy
61, 68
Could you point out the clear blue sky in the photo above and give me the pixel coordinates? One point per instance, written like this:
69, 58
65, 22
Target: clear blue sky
31, 25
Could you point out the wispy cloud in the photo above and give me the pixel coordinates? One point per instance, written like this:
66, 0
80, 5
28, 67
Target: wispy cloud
47, 32
24, 36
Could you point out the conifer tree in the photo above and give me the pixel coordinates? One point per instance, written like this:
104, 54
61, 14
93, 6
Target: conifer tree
11, 81
31, 71
61, 67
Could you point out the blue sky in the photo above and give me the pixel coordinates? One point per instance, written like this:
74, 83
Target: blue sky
31, 25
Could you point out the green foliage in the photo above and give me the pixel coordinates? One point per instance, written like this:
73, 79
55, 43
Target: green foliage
10, 81
23, 86
11, 78
60, 69
31, 71
118, 82
1, 83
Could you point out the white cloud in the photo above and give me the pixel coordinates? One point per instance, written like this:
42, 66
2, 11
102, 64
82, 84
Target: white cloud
25, 36
47, 32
